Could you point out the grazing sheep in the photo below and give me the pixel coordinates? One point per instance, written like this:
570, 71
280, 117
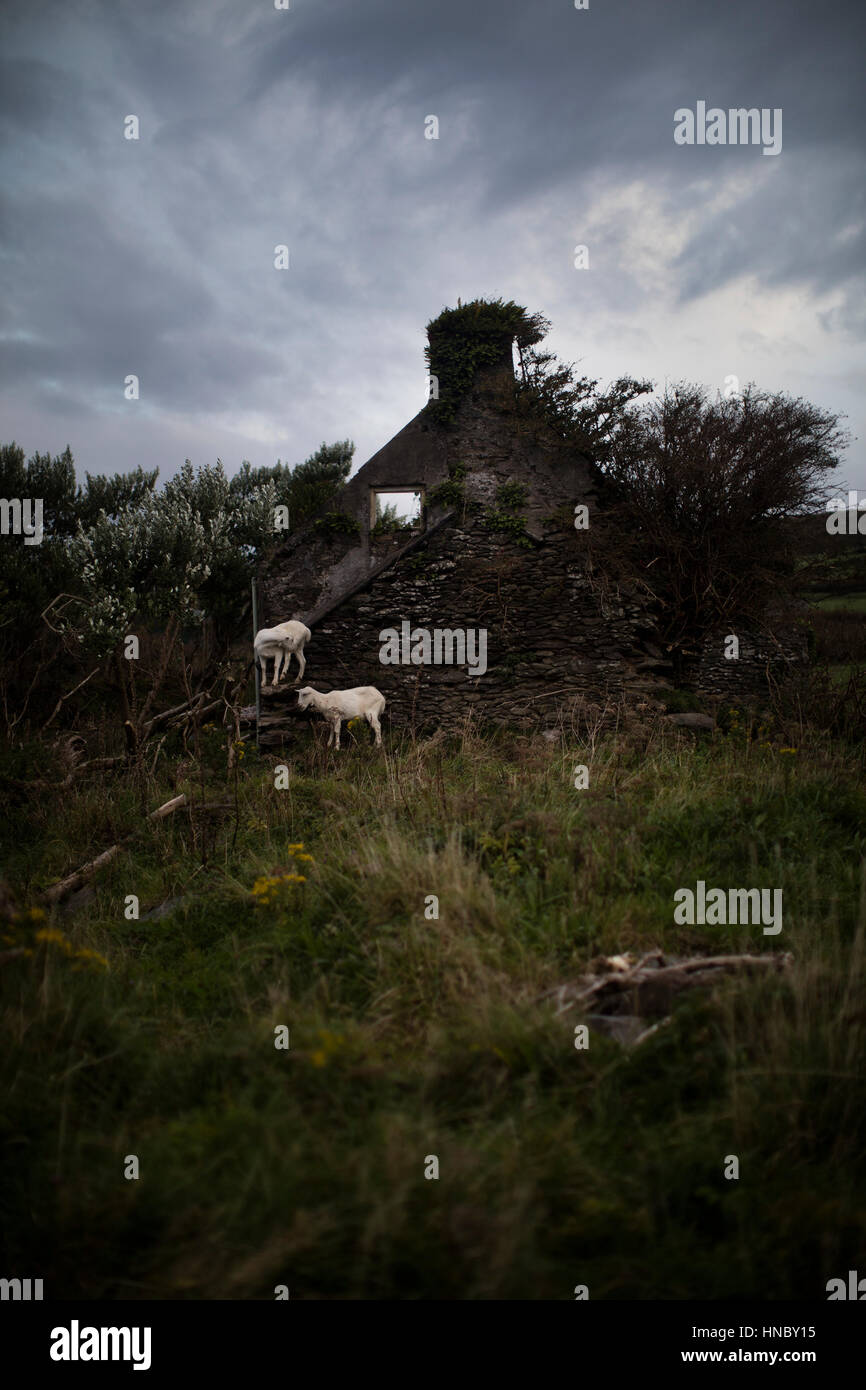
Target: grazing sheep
364, 701
281, 643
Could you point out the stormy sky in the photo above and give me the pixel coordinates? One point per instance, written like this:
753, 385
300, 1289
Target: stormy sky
306, 127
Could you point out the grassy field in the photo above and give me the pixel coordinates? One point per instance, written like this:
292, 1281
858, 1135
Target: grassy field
412, 1036
838, 622
840, 603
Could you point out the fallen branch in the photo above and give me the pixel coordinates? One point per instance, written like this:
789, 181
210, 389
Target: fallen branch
186, 707
179, 715
68, 696
202, 711
60, 890
651, 985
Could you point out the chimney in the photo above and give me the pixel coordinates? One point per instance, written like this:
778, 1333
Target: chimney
469, 349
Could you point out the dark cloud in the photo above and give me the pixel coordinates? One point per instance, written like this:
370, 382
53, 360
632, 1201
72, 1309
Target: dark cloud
306, 127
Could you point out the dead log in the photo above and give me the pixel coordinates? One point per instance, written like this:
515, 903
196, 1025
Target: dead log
650, 987
60, 890
166, 715
201, 711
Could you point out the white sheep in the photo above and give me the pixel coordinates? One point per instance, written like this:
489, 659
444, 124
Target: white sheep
281, 643
363, 701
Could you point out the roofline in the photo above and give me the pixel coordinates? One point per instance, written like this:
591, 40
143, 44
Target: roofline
414, 544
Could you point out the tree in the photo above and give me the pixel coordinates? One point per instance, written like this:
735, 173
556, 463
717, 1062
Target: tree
695, 493
112, 494
303, 489
118, 556
131, 553
30, 575
578, 411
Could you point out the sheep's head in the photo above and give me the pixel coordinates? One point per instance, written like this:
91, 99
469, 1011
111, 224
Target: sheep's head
305, 696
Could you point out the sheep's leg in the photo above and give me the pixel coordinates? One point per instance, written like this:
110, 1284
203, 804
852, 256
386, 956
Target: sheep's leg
376, 727
301, 665
337, 723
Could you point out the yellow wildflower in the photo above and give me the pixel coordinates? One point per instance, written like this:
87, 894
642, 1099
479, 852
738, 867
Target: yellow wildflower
52, 937
268, 889
91, 957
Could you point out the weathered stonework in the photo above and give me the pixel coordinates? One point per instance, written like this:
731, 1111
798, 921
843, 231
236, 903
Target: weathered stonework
550, 631
763, 658
558, 631
489, 439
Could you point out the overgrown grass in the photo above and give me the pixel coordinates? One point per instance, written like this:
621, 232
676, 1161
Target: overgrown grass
850, 603
839, 626
413, 1036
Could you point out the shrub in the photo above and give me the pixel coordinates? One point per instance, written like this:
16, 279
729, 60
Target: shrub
337, 524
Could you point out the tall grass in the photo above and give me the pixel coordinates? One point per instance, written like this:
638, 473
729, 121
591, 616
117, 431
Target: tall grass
414, 1036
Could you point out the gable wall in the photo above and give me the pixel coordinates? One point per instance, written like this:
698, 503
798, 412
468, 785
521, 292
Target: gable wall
555, 631
550, 631
494, 444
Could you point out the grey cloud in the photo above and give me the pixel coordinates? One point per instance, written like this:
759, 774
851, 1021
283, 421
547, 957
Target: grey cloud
261, 126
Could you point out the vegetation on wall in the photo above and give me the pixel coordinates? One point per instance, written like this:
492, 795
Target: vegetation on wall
505, 515
451, 493
336, 524
511, 495
470, 337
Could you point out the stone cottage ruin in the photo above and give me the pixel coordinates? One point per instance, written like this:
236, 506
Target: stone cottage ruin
500, 547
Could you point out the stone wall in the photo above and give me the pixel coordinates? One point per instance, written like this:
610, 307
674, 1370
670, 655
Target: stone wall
765, 657
553, 632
